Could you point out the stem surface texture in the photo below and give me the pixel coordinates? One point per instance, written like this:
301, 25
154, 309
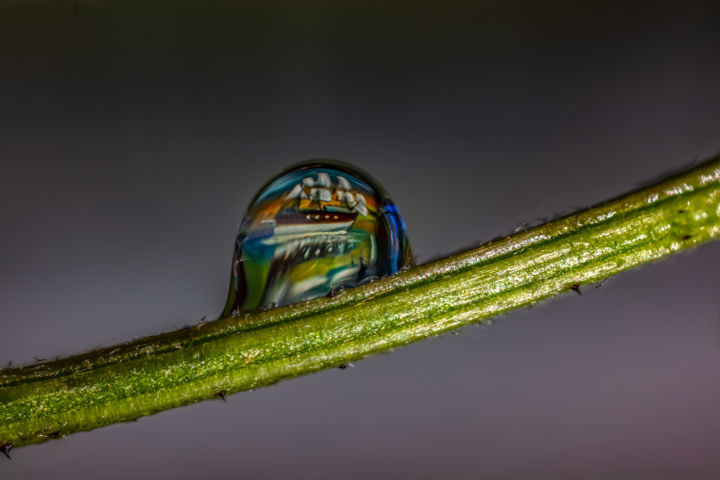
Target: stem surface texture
122, 383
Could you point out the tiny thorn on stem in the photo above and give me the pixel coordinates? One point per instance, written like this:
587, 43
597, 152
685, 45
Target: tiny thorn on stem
5, 449
576, 288
222, 394
344, 366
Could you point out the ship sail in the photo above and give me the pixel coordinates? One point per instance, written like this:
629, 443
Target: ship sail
320, 194
361, 206
323, 180
342, 184
296, 191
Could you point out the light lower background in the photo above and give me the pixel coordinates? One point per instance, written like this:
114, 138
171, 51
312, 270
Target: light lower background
133, 134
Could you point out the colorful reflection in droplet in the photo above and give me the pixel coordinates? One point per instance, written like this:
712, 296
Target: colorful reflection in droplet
312, 229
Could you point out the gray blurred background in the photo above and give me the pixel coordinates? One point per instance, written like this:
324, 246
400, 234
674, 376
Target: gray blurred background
133, 134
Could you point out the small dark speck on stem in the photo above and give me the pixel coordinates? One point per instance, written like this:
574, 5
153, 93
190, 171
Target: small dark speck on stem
686, 237
5, 449
344, 366
222, 394
576, 288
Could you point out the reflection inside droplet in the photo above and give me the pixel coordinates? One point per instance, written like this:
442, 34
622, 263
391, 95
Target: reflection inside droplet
314, 229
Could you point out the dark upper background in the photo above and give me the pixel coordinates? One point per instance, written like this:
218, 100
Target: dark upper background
133, 134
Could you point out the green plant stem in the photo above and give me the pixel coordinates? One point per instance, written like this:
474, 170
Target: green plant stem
251, 350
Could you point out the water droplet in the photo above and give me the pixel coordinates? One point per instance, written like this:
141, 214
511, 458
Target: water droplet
311, 229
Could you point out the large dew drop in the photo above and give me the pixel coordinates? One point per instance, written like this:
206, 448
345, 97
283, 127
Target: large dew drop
312, 229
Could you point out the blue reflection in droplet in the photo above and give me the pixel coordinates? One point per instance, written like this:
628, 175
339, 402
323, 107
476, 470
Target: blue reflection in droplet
311, 230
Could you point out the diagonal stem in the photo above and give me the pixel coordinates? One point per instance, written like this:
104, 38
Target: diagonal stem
231, 354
